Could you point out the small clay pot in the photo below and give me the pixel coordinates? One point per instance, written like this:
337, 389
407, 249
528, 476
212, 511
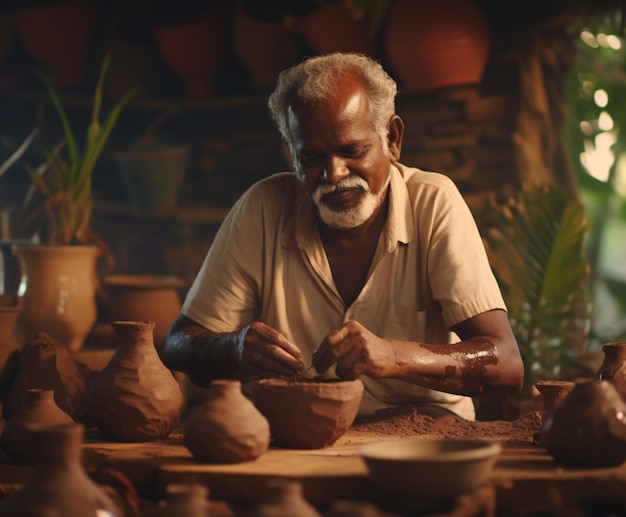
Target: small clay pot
284, 497
308, 414
226, 427
613, 368
135, 397
39, 408
58, 484
552, 393
588, 427
184, 500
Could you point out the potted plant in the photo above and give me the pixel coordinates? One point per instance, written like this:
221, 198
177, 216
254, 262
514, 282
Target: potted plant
63, 302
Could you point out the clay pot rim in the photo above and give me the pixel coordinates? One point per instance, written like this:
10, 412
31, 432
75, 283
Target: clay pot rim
145, 281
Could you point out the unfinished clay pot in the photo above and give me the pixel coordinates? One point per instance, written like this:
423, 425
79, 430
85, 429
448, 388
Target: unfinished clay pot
613, 368
308, 414
58, 484
588, 428
552, 393
226, 427
135, 397
48, 365
184, 500
284, 497
39, 408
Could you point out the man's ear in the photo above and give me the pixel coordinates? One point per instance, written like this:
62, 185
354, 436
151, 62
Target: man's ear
394, 137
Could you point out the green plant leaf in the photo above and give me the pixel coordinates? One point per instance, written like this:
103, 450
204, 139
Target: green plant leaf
536, 248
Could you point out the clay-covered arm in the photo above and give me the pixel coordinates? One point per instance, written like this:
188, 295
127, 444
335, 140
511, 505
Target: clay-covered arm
203, 355
486, 359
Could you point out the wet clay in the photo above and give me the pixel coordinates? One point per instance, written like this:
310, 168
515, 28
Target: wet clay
48, 365
308, 414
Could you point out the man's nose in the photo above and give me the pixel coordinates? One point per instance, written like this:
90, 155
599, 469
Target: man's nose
335, 170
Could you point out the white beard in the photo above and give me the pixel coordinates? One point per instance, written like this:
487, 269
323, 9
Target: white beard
351, 217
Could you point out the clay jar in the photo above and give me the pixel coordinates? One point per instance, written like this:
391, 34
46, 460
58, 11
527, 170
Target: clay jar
39, 408
613, 368
308, 414
226, 427
58, 484
588, 428
135, 397
284, 497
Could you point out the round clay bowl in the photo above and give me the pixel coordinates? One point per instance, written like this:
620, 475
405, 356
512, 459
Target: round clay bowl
430, 468
308, 414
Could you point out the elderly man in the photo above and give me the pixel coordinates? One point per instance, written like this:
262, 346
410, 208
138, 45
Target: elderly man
356, 266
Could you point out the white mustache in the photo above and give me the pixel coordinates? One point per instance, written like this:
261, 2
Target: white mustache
345, 184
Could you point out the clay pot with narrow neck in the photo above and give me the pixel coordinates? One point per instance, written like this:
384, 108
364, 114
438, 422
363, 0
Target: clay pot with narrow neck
48, 365
588, 428
613, 368
552, 394
60, 292
284, 497
226, 427
135, 397
39, 408
58, 484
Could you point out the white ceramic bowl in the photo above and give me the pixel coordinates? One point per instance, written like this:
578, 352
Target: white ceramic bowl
430, 468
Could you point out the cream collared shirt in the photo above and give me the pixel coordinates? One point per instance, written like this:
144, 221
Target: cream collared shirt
430, 272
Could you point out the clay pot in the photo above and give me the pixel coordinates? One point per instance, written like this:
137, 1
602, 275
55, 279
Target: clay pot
226, 427
432, 45
58, 484
184, 500
308, 414
10, 350
552, 393
60, 294
195, 50
39, 408
48, 365
588, 427
284, 497
59, 35
613, 368
144, 297
135, 397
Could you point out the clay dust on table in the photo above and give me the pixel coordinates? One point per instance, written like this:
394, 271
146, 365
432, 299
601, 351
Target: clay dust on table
406, 421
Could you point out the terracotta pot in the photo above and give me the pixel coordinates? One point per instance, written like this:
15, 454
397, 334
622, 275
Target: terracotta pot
265, 48
135, 398
153, 177
308, 414
552, 394
60, 292
194, 51
226, 427
184, 500
588, 428
10, 350
59, 35
284, 497
432, 45
331, 28
613, 368
144, 297
48, 365
39, 408
58, 484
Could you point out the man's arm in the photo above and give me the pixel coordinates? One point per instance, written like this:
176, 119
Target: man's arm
486, 359
205, 355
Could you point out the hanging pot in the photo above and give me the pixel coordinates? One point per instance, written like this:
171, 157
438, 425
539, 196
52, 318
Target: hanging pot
60, 292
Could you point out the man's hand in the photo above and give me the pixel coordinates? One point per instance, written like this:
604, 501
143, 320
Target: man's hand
356, 351
266, 352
